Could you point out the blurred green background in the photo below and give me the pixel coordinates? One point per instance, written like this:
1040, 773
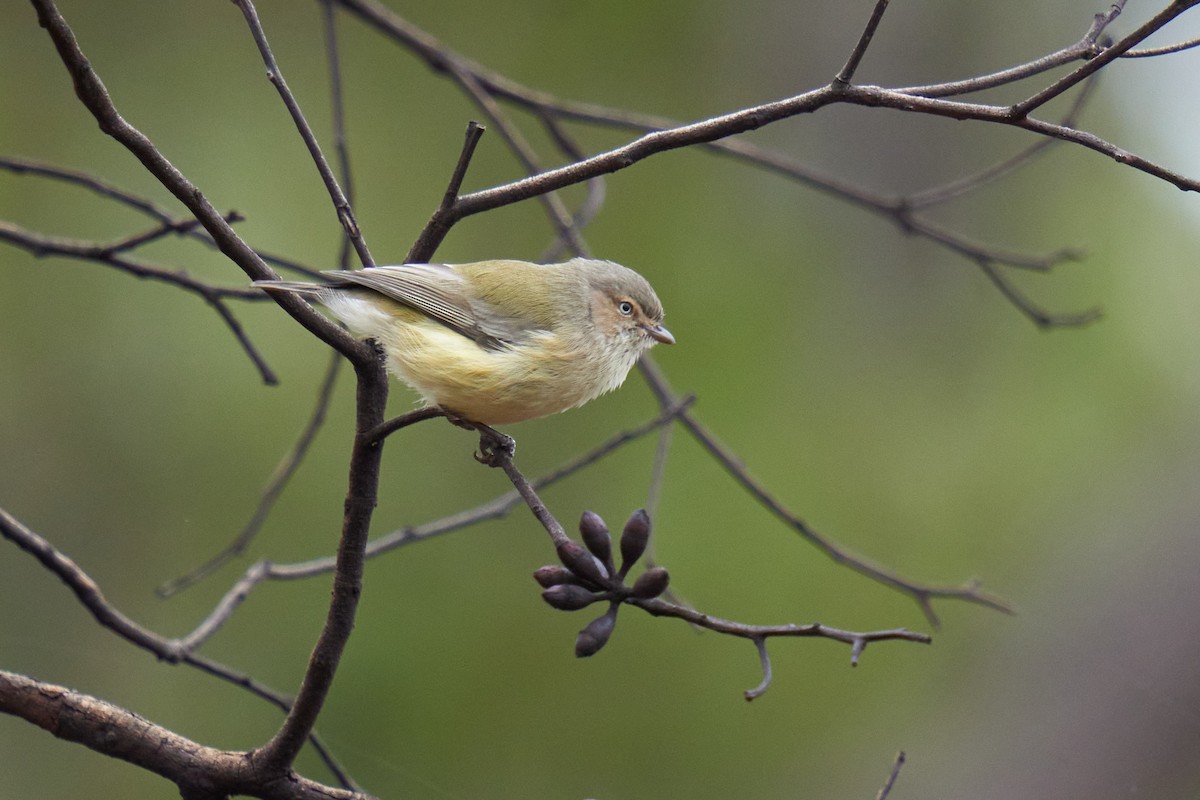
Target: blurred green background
880, 386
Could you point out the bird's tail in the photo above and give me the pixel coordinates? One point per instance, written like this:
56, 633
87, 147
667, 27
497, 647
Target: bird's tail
299, 287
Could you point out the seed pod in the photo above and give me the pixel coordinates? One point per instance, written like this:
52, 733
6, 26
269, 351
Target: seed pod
595, 536
651, 583
553, 575
596, 634
568, 597
575, 558
634, 538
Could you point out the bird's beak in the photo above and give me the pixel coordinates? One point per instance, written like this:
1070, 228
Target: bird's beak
659, 334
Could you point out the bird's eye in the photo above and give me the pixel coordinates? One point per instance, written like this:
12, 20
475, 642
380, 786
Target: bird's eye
625, 307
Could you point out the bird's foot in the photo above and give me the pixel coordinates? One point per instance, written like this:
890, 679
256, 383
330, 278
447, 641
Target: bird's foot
493, 445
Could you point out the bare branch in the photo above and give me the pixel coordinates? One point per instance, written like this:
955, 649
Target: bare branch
113, 731
270, 494
1151, 52
1039, 316
443, 218
171, 651
764, 659
874, 96
493, 509
559, 216
149, 209
1106, 55
87, 181
587, 575
338, 110
93, 94
593, 200
734, 466
112, 254
275, 76
361, 497
886, 789
85, 589
970, 183
846, 73
661, 608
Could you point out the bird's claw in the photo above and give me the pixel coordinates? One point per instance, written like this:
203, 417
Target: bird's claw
494, 446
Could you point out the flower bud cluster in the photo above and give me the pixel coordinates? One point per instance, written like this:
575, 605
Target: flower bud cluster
588, 574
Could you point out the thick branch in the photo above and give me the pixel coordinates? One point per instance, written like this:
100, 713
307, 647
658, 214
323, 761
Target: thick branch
361, 498
199, 771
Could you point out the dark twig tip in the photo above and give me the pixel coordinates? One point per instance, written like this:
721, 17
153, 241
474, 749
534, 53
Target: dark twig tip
764, 660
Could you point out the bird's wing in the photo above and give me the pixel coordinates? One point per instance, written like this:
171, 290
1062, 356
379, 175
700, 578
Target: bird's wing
441, 293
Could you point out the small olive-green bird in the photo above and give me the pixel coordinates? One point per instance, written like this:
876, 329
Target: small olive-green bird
496, 342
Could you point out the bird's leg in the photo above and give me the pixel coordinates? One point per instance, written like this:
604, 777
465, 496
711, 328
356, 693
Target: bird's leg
491, 441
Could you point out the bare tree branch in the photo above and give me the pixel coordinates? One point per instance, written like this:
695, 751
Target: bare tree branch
921, 593
171, 651
1103, 58
1151, 52
199, 771
592, 577
493, 509
93, 94
846, 73
897, 765
340, 203
279, 479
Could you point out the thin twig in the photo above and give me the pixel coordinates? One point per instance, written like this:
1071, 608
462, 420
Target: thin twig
764, 660
1083, 49
275, 75
270, 494
662, 608
593, 201
493, 509
875, 96
148, 208
95, 97
921, 593
111, 254
1038, 315
556, 210
1151, 52
846, 73
897, 765
439, 224
337, 102
658, 472
87, 181
547, 107
969, 183
1106, 55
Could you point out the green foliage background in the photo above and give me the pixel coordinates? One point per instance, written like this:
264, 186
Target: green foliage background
880, 386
